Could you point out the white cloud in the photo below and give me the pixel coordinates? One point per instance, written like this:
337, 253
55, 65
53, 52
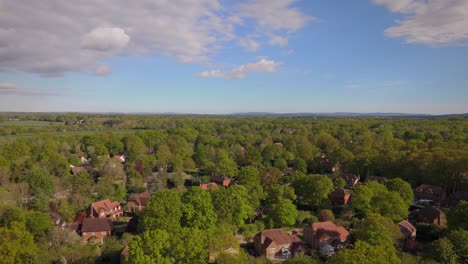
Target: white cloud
435, 22
105, 39
102, 70
263, 65
53, 37
249, 43
7, 88
275, 18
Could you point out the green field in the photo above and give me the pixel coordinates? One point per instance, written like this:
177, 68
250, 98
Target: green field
27, 123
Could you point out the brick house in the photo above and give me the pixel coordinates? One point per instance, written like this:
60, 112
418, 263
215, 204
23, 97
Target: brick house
104, 209
326, 233
351, 180
137, 202
97, 228
340, 197
221, 180
273, 243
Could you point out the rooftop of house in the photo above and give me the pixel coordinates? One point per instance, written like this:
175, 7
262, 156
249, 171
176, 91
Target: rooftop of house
219, 178
350, 179
340, 193
96, 225
429, 213
140, 198
407, 225
278, 236
378, 179
207, 186
429, 189
327, 227
105, 205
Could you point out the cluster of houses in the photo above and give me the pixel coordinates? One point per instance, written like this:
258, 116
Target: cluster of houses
97, 223
324, 237
215, 181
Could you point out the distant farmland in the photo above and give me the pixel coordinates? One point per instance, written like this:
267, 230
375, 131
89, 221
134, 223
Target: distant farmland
28, 123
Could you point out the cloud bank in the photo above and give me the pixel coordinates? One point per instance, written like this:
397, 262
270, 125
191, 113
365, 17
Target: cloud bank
433, 22
51, 37
7, 88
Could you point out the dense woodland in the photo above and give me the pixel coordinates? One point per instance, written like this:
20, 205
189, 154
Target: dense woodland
185, 224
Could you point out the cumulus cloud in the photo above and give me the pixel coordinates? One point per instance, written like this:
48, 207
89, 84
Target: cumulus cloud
105, 39
435, 22
53, 37
263, 65
102, 70
7, 88
278, 41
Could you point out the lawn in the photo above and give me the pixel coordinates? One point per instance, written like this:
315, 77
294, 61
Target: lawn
27, 123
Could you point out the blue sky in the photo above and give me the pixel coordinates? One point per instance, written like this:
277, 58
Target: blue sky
217, 57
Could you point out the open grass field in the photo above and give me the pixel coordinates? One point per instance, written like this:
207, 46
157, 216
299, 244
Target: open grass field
27, 123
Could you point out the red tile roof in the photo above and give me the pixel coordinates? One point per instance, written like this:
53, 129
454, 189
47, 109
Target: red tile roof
140, 198
278, 236
96, 225
329, 227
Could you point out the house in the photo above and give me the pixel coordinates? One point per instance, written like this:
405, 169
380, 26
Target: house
221, 180
340, 196
431, 215
429, 192
97, 228
407, 229
377, 179
104, 209
278, 144
137, 202
320, 233
351, 180
208, 186
77, 169
121, 157
273, 243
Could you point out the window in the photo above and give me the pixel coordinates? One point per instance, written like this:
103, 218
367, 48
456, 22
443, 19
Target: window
84, 233
103, 233
93, 233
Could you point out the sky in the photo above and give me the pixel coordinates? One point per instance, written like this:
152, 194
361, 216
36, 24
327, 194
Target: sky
226, 56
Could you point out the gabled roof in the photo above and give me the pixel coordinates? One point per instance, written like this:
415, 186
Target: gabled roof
429, 189
219, 178
429, 214
96, 225
140, 198
329, 228
104, 205
407, 226
278, 236
378, 179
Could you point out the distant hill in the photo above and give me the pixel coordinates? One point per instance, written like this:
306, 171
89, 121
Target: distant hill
342, 114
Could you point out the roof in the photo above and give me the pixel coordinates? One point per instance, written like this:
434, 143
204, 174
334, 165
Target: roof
407, 225
105, 205
378, 179
429, 213
219, 178
350, 179
339, 193
96, 225
278, 236
140, 198
207, 186
429, 189
328, 227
